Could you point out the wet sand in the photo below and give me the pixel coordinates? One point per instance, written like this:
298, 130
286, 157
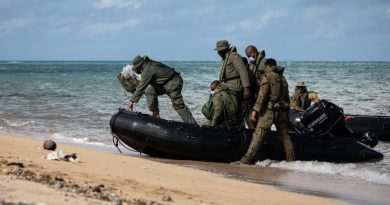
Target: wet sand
350, 190
26, 177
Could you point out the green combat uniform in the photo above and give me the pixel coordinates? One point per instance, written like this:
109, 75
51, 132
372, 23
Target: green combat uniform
163, 80
272, 104
302, 100
151, 94
226, 113
255, 72
233, 74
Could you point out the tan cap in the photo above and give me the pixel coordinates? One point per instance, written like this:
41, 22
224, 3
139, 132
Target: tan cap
221, 45
300, 84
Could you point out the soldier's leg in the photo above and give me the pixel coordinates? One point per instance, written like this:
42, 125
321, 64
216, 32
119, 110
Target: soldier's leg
151, 99
262, 129
174, 92
238, 99
281, 128
257, 141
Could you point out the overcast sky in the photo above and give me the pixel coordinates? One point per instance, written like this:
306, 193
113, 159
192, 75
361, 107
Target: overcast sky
332, 30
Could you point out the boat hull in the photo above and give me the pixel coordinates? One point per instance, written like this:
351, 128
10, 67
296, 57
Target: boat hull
170, 139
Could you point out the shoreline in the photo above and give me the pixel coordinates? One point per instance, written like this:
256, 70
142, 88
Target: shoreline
110, 178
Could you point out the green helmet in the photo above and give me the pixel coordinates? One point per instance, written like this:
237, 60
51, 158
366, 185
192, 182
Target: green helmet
221, 45
137, 61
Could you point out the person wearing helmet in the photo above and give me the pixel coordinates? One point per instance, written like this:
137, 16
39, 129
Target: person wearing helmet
162, 80
302, 98
233, 73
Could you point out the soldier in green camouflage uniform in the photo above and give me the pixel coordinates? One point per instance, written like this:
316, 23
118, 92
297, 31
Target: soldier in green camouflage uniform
234, 74
272, 105
226, 113
256, 68
161, 78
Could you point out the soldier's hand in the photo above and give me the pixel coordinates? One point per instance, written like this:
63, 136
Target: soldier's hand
254, 116
247, 93
130, 106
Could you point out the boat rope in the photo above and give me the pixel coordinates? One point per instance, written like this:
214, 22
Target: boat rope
117, 141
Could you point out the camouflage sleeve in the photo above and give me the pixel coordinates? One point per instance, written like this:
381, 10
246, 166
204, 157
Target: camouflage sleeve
313, 97
263, 94
146, 77
294, 104
241, 68
218, 110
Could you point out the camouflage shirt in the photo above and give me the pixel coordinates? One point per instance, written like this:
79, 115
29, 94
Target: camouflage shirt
225, 108
301, 101
153, 73
273, 88
234, 74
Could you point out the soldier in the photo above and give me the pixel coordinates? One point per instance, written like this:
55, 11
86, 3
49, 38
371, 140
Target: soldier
302, 98
226, 114
234, 74
256, 66
272, 105
162, 79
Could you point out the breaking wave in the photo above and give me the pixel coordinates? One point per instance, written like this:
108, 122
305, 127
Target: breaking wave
346, 170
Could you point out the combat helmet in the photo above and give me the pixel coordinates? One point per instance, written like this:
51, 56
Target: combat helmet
137, 61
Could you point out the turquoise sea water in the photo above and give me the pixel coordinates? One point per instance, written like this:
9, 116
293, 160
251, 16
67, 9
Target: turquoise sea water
73, 101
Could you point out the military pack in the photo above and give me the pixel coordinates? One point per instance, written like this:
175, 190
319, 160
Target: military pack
207, 108
128, 79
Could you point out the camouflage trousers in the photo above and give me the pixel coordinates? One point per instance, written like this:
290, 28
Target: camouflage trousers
262, 129
151, 94
238, 98
173, 89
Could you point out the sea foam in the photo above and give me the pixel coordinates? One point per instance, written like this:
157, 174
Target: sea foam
346, 169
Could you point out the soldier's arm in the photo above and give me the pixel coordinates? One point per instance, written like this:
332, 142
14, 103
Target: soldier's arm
263, 94
218, 110
242, 71
313, 97
146, 77
294, 104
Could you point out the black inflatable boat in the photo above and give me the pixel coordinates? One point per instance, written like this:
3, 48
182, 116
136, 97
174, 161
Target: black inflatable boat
380, 125
320, 134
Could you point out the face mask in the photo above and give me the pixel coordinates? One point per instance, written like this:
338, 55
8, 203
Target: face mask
251, 59
222, 53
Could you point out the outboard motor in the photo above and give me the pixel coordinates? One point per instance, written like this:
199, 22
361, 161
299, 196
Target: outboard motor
319, 119
326, 118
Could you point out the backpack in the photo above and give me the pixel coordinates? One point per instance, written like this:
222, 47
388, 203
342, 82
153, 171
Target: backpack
208, 108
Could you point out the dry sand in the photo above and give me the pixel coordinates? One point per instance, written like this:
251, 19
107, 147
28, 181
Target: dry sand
107, 178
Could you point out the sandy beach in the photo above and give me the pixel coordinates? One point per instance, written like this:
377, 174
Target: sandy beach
107, 178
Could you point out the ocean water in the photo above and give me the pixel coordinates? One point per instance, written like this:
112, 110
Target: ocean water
74, 101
